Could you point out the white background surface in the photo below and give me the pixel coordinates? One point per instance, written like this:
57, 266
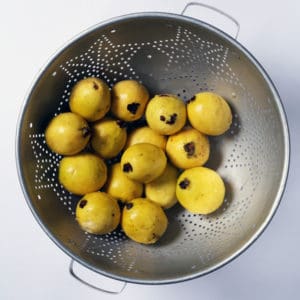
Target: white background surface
31, 266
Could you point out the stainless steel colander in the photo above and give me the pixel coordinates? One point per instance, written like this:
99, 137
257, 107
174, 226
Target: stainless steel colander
169, 53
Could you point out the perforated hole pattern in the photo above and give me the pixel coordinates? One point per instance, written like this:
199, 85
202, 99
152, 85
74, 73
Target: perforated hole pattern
190, 64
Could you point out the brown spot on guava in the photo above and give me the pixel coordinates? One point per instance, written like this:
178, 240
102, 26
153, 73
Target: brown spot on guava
82, 203
129, 205
133, 107
172, 119
184, 183
189, 148
95, 85
127, 168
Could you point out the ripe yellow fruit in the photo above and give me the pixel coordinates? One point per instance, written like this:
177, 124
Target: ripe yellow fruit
109, 137
162, 190
98, 213
209, 113
82, 173
67, 134
143, 221
129, 99
121, 186
200, 190
90, 98
143, 162
166, 114
146, 135
188, 148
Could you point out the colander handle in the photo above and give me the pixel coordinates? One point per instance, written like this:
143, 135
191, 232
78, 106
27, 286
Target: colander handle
72, 272
237, 24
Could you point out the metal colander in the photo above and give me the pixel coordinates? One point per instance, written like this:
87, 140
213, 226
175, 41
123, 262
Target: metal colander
168, 53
